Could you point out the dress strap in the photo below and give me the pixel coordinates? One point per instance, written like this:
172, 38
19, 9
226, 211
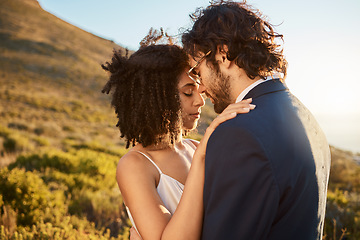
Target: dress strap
190, 143
149, 160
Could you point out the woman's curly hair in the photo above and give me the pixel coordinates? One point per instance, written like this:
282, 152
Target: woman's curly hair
251, 40
145, 91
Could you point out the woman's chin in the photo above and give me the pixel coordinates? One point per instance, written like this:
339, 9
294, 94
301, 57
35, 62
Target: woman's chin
190, 127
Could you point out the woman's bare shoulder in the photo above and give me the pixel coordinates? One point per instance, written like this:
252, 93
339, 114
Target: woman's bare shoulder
130, 160
133, 166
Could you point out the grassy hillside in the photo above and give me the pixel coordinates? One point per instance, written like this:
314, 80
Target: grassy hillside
58, 142
59, 146
50, 76
343, 200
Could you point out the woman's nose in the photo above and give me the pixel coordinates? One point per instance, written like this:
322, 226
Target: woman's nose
199, 101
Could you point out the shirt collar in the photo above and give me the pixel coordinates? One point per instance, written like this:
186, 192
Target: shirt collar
247, 90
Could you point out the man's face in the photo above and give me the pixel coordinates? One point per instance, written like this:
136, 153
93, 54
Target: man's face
215, 82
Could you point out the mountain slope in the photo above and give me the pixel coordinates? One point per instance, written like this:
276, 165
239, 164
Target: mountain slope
40, 45
50, 74
58, 140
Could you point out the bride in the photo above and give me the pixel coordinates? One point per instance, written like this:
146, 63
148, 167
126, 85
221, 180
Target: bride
158, 101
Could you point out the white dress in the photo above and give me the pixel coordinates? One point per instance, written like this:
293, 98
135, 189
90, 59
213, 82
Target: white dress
169, 189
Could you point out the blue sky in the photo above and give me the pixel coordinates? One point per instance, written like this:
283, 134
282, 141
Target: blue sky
322, 46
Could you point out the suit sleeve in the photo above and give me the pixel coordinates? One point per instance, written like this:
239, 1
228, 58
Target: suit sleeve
240, 192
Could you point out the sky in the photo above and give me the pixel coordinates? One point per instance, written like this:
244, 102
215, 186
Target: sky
321, 45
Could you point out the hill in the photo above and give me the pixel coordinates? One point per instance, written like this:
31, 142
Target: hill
57, 130
58, 143
50, 74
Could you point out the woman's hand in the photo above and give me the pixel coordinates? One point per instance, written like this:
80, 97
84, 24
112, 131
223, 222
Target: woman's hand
230, 112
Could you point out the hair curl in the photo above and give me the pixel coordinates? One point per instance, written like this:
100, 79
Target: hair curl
251, 40
145, 96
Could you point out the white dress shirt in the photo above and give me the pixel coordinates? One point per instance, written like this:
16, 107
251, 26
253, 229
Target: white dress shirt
247, 90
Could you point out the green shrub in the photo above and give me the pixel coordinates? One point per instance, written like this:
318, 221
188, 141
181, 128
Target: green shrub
8, 217
26, 193
41, 141
56, 159
50, 129
103, 207
9, 145
49, 231
17, 142
69, 182
4, 131
68, 128
84, 161
96, 163
18, 125
59, 180
343, 212
79, 184
100, 147
343, 199
92, 145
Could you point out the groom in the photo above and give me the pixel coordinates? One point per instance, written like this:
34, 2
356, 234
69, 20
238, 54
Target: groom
267, 171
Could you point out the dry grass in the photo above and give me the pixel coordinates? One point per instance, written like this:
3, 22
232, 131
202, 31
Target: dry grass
7, 158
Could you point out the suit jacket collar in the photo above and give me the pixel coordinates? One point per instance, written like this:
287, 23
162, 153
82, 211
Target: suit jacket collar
266, 88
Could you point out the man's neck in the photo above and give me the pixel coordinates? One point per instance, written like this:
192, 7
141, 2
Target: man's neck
255, 82
240, 84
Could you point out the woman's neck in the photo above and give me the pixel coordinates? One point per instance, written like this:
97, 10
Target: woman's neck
166, 145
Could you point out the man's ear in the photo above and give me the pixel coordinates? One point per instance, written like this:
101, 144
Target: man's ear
221, 56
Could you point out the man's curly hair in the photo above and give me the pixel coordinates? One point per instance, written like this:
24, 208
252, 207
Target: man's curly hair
251, 40
145, 96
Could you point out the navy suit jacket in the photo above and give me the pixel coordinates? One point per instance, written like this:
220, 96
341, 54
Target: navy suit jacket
267, 171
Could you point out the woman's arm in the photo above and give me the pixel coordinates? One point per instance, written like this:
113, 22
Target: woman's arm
152, 218
186, 223
137, 178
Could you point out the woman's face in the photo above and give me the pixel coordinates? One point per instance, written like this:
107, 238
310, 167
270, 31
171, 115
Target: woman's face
191, 101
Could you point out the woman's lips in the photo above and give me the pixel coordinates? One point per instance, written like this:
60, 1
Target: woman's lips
195, 115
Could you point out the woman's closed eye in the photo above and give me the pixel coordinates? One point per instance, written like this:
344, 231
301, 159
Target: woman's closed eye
188, 93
